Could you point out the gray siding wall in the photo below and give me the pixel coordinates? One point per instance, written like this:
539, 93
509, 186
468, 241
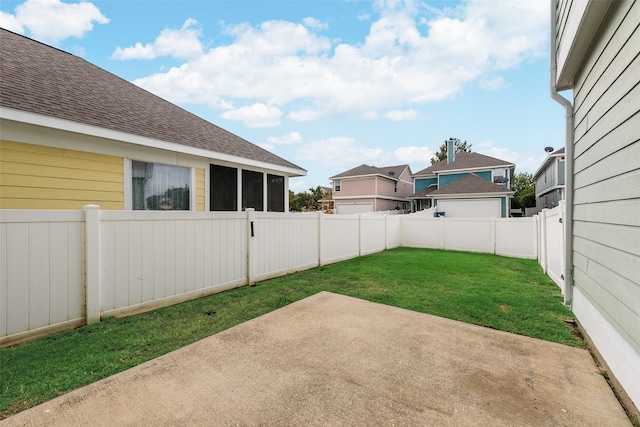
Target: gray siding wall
607, 172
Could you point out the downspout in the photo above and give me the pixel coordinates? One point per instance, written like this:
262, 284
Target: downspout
568, 148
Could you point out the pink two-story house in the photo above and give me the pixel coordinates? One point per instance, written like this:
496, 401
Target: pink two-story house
370, 189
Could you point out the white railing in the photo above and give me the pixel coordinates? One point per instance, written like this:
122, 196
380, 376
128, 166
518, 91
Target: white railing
60, 269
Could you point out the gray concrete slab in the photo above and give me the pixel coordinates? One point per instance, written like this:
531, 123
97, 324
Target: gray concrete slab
335, 360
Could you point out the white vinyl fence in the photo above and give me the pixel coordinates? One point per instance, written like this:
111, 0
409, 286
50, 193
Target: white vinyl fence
61, 269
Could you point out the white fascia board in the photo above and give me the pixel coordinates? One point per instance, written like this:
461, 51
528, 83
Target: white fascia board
96, 131
369, 175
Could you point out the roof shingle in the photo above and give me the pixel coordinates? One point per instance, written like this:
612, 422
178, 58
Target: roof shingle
464, 160
470, 184
41, 79
392, 172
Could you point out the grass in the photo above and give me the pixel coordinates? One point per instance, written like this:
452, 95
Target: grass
508, 294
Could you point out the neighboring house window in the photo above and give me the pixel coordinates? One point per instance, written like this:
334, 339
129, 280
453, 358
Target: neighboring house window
223, 195
252, 190
275, 193
336, 185
160, 187
395, 187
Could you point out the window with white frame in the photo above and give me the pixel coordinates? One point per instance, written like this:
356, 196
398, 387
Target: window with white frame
160, 187
336, 185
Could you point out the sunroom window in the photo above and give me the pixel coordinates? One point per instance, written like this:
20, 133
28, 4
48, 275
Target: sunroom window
159, 187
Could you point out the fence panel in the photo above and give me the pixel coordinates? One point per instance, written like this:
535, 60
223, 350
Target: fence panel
372, 234
516, 237
283, 243
394, 231
421, 231
40, 270
554, 227
340, 238
468, 234
148, 257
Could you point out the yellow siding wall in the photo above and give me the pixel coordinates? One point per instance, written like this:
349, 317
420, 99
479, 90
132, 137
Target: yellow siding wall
200, 189
38, 177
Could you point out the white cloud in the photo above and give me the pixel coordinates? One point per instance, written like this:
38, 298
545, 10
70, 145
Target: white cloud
492, 83
290, 138
11, 23
52, 20
255, 116
311, 22
180, 43
413, 155
524, 162
406, 60
342, 153
400, 115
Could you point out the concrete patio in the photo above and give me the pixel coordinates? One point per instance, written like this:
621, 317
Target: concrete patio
336, 360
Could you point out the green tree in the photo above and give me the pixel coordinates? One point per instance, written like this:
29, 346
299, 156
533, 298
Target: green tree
306, 201
441, 154
525, 191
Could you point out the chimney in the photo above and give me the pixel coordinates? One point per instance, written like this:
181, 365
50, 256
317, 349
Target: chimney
451, 150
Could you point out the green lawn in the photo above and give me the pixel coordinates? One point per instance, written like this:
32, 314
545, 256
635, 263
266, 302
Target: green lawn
508, 294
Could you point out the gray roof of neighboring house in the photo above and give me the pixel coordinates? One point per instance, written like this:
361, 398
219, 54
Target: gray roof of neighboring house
470, 184
41, 79
392, 172
422, 194
464, 160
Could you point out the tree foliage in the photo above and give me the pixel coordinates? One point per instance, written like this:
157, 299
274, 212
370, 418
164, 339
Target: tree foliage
306, 201
441, 154
525, 191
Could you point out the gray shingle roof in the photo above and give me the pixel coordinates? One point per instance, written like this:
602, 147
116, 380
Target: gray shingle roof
364, 170
424, 192
464, 160
44, 80
470, 184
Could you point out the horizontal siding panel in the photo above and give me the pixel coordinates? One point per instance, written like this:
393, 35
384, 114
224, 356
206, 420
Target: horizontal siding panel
59, 183
61, 194
626, 108
38, 177
624, 264
10, 168
624, 238
609, 65
621, 187
622, 212
54, 204
619, 138
624, 319
200, 190
32, 148
618, 91
63, 161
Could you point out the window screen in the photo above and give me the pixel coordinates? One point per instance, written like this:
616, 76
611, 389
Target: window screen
159, 187
275, 193
223, 195
252, 190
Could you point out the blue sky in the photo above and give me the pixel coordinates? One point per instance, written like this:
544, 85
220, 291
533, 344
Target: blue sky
329, 85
